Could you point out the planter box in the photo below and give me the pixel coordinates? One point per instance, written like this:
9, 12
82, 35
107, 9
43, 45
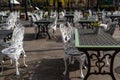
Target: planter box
97, 30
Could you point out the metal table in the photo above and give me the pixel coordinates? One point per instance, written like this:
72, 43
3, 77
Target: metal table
69, 17
113, 16
86, 40
43, 26
86, 22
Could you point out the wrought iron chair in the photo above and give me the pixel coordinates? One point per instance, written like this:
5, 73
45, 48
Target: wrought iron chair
110, 29
70, 50
53, 27
10, 22
15, 49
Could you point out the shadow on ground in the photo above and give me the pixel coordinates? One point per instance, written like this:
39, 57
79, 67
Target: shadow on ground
44, 50
45, 69
29, 37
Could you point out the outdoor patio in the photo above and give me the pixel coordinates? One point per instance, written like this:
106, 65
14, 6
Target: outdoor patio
60, 40
45, 61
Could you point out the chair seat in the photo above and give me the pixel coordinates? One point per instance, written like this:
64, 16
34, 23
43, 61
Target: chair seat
5, 26
70, 49
8, 51
73, 51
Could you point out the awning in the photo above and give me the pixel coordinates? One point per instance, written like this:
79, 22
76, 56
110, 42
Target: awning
14, 2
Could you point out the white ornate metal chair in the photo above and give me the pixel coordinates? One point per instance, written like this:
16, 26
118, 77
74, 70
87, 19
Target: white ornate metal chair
16, 48
53, 27
110, 29
37, 16
77, 16
10, 22
70, 50
53, 14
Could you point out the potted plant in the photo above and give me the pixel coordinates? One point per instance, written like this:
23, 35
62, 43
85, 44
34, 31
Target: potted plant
96, 27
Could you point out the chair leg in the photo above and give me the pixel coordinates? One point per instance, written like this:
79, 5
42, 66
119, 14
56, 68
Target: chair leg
85, 64
54, 35
16, 66
24, 62
36, 31
65, 63
81, 71
73, 60
2, 61
1, 68
81, 63
24, 55
70, 60
11, 62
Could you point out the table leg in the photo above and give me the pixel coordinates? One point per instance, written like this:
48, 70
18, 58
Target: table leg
89, 66
38, 32
48, 33
43, 28
100, 64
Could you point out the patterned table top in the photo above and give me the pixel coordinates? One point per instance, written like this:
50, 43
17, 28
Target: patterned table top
85, 38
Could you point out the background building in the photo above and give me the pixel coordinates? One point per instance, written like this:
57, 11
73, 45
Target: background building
74, 4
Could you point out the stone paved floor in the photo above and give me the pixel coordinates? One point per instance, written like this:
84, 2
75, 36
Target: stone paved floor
45, 61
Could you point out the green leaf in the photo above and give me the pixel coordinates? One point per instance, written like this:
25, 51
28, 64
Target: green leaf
96, 24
